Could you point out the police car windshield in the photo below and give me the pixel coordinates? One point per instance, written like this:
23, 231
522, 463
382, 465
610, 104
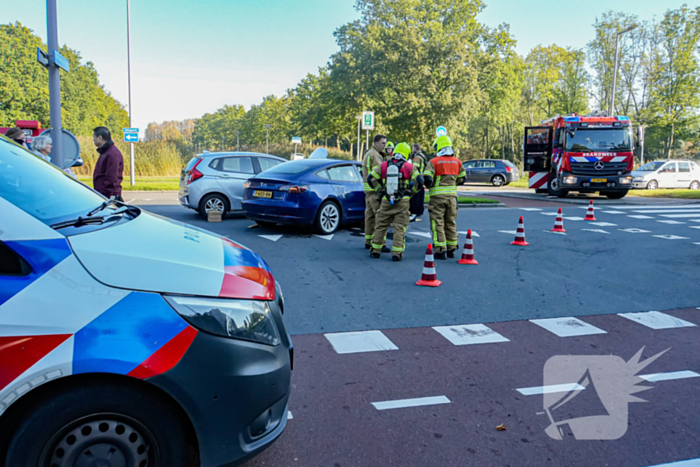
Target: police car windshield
599, 140
41, 189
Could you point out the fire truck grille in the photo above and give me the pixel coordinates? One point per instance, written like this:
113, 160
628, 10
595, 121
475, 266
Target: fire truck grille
586, 168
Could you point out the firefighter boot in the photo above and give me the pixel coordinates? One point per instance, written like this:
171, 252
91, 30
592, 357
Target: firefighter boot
397, 257
451, 253
441, 255
375, 255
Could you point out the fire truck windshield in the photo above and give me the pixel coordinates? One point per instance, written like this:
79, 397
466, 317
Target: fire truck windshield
598, 140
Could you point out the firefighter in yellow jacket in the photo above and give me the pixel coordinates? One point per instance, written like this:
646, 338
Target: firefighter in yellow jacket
442, 175
372, 160
399, 180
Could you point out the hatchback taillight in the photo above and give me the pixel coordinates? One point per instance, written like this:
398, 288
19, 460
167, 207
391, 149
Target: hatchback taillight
194, 173
294, 188
509, 169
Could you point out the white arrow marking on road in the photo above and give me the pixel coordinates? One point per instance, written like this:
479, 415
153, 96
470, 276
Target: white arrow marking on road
511, 232
417, 402
325, 237
671, 237
596, 230
634, 230
274, 238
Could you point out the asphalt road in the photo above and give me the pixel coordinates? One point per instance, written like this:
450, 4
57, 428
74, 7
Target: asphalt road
640, 256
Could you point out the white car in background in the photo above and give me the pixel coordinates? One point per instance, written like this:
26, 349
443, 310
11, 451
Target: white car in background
667, 174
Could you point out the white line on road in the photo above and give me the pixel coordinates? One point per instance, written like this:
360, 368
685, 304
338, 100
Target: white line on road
680, 216
604, 224
420, 234
686, 463
671, 237
474, 234
512, 232
567, 327
573, 218
653, 378
467, 334
289, 415
558, 233
536, 390
659, 207
360, 341
656, 320
596, 230
417, 402
634, 230
549, 213
641, 217
671, 222
668, 211
530, 209
274, 238
694, 226
614, 212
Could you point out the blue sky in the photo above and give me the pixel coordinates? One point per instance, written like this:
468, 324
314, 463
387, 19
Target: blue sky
190, 57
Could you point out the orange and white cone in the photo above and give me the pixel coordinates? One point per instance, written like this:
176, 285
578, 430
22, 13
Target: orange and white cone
520, 234
559, 223
468, 252
429, 277
590, 214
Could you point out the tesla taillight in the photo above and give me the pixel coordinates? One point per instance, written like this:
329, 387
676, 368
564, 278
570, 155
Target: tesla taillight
194, 173
294, 188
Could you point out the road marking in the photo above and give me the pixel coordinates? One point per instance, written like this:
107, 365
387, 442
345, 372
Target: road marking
467, 334
573, 218
530, 209
634, 230
694, 220
289, 415
274, 238
680, 216
325, 237
656, 320
694, 226
669, 211
130, 201
614, 212
671, 237
567, 327
671, 222
604, 224
596, 230
549, 213
686, 463
421, 234
512, 232
641, 217
360, 341
552, 232
417, 402
671, 375
665, 208
696, 243
552, 388
474, 234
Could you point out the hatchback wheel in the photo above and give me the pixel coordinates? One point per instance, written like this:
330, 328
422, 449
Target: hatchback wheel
328, 218
652, 185
101, 425
695, 185
498, 180
213, 202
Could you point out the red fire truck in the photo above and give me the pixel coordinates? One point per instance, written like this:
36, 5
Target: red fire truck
31, 129
589, 153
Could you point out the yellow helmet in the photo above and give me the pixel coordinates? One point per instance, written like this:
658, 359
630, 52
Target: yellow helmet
403, 149
442, 142
389, 148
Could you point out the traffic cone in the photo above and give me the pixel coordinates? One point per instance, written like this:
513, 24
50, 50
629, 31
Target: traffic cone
468, 252
429, 277
590, 214
559, 223
520, 234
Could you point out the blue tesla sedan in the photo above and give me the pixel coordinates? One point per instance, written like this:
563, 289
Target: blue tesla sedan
318, 192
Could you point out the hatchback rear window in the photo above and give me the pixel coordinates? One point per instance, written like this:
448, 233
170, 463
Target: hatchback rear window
191, 164
510, 164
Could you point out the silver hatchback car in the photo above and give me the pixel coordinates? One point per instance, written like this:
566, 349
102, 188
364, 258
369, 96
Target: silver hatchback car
214, 180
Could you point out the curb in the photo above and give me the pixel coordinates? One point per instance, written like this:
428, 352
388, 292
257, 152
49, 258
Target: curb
481, 205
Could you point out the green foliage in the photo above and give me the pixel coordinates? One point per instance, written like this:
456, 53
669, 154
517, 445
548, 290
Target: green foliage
24, 93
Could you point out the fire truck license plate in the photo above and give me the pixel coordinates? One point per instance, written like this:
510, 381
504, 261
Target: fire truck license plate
262, 194
599, 180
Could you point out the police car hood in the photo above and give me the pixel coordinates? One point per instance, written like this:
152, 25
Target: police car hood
155, 254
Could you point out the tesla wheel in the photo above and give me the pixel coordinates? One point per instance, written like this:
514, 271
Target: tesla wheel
652, 185
101, 425
498, 180
695, 185
213, 202
615, 194
328, 218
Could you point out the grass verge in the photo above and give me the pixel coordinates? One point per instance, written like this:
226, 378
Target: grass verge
471, 200
684, 194
145, 184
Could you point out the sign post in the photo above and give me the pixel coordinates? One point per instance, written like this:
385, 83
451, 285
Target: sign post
55, 60
367, 125
296, 140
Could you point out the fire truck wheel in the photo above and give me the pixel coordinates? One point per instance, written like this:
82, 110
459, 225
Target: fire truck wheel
553, 187
614, 194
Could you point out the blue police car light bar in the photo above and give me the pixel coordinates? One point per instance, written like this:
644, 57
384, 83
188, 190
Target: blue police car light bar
572, 119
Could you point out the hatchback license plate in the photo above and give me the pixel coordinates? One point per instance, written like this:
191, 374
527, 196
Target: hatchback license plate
262, 194
599, 180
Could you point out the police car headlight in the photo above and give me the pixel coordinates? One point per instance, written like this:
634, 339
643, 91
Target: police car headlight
247, 320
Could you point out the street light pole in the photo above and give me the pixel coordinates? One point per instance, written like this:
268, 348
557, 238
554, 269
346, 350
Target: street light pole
54, 85
359, 143
128, 59
617, 52
267, 138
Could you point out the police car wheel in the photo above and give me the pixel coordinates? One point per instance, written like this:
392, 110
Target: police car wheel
328, 218
100, 424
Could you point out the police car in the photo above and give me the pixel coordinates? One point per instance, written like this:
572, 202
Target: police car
127, 339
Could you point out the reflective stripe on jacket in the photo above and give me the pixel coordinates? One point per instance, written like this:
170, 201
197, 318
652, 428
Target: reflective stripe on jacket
372, 160
447, 172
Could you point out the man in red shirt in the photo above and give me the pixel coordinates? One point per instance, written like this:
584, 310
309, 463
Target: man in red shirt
108, 175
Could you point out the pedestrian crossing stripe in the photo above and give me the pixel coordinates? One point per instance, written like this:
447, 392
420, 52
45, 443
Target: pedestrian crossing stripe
656, 320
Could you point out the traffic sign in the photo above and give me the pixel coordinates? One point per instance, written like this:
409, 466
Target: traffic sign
42, 57
441, 131
368, 120
130, 130
61, 61
296, 139
131, 137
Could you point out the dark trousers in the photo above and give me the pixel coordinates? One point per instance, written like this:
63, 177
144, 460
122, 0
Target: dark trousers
417, 203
